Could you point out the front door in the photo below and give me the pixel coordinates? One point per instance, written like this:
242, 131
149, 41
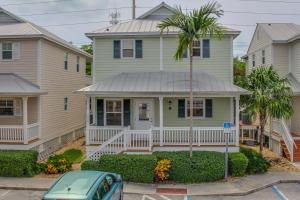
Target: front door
144, 117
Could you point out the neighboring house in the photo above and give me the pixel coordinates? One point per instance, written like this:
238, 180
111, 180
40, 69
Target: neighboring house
39, 73
139, 99
278, 45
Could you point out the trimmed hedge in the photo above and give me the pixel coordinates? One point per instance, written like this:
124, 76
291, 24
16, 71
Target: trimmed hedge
238, 163
257, 164
18, 163
133, 168
205, 166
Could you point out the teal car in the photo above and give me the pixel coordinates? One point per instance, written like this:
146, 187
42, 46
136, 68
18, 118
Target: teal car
90, 185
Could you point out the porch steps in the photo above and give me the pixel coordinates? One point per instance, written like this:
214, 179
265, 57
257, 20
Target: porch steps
296, 151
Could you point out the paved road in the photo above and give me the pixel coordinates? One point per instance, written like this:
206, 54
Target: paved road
286, 191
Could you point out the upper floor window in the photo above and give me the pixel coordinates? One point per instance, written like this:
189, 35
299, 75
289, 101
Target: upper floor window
66, 60
128, 48
6, 107
65, 103
197, 48
263, 57
253, 60
201, 48
78, 64
7, 51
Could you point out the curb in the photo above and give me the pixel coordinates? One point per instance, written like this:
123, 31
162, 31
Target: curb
242, 193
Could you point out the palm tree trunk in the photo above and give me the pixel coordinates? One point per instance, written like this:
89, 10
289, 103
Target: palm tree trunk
262, 122
191, 102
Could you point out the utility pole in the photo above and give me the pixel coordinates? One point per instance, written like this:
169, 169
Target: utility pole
133, 9
114, 17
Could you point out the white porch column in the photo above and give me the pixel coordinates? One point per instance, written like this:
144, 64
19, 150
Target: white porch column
93, 106
237, 119
161, 120
25, 121
87, 121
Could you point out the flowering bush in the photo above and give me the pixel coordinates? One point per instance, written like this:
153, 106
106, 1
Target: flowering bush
58, 164
162, 169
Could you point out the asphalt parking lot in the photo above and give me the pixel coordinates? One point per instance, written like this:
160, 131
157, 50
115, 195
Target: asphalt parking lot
285, 191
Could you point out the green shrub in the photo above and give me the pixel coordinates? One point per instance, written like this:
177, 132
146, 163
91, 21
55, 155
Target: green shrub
58, 164
73, 155
133, 168
257, 164
205, 166
18, 163
238, 163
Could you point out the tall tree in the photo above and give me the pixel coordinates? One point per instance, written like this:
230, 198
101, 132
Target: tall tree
89, 49
271, 96
193, 26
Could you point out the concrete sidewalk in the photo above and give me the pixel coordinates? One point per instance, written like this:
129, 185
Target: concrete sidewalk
235, 187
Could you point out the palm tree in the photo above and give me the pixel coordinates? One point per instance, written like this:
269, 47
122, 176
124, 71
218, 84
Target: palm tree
193, 26
271, 97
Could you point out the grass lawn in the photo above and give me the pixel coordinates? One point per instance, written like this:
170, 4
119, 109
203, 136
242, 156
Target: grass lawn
74, 155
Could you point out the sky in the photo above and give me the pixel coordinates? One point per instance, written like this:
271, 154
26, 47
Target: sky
70, 19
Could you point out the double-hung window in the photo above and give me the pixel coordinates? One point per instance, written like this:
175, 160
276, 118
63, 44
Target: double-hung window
253, 60
198, 108
113, 112
78, 64
197, 48
66, 60
201, 48
128, 48
66, 104
6, 107
263, 57
7, 51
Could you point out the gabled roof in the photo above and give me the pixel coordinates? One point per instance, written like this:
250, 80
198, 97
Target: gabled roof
25, 29
12, 84
153, 83
163, 5
281, 32
144, 25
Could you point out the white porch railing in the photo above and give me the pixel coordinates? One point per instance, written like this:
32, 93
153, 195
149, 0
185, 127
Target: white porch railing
15, 134
281, 127
99, 135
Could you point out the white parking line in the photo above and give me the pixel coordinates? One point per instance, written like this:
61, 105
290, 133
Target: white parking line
164, 197
279, 194
146, 197
5, 193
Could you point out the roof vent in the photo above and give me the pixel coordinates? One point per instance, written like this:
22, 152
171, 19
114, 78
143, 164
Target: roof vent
270, 24
107, 29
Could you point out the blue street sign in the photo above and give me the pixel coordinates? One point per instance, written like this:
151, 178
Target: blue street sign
227, 125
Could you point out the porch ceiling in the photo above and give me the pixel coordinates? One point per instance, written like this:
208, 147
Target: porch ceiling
163, 83
14, 85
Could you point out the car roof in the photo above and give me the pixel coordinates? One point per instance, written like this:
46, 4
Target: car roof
75, 185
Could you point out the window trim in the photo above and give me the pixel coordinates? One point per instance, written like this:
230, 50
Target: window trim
186, 108
253, 60
66, 61
122, 112
13, 107
200, 47
201, 50
263, 56
133, 46
78, 64
66, 103
12, 51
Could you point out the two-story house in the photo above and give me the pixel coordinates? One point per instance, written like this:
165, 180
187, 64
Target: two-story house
278, 45
39, 73
139, 97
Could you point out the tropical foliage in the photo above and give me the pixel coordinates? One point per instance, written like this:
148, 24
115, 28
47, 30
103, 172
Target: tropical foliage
239, 70
89, 49
271, 96
193, 26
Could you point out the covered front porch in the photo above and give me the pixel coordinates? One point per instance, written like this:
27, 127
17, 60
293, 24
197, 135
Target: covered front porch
130, 118
19, 110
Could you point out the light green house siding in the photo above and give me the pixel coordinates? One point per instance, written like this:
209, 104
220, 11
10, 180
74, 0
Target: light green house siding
219, 64
221, 113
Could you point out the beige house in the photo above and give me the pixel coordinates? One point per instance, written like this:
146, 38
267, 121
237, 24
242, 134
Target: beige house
39, 73
278, 44
139, 98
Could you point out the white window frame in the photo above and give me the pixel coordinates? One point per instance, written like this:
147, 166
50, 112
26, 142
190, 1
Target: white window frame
78, 64
13, 107
66, 104
263, 57
12, 50
201, 49
186, 108
66, 59
122, 112
133, 43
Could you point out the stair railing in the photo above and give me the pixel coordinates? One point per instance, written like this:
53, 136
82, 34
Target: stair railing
288, 138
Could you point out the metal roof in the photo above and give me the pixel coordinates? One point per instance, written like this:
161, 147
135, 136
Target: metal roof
141, 27
281, 32
26, 29
163, 83
12, 84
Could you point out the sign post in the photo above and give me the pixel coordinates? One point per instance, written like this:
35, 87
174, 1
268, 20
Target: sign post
227, 131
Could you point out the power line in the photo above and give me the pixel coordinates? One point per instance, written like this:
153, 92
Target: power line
34, 2
79, 23
271, 1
